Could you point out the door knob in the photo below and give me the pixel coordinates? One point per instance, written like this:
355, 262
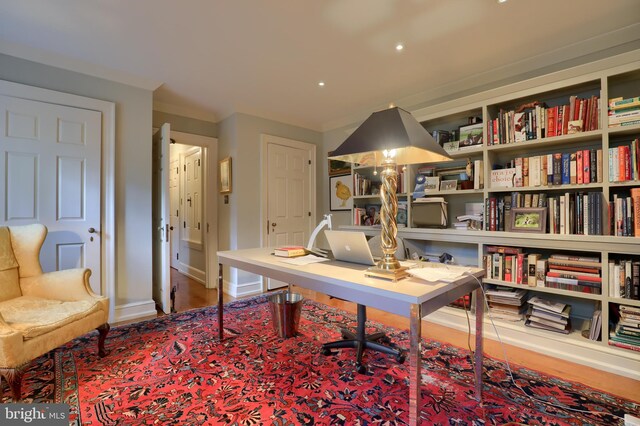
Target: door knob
92, 230
171, 228
273, 224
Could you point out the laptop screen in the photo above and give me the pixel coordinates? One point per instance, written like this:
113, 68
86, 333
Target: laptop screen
349, 246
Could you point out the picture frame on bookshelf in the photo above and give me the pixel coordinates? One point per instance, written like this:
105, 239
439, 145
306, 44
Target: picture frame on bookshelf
471, 135
452, 173
340, 193
449, 185
528, 219
337, 167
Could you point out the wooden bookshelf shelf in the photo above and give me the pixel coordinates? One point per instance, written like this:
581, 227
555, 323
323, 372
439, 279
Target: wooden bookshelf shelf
619, 79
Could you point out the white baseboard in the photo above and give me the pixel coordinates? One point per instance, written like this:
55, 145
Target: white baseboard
135, 311
242, 290
601, 358
191, 272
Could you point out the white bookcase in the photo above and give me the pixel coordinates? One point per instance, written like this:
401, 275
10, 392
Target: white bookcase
615, 77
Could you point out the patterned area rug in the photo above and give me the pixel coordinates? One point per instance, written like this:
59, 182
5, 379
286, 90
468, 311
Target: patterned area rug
172, 370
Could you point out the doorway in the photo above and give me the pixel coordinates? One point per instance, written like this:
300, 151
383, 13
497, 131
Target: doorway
191, 227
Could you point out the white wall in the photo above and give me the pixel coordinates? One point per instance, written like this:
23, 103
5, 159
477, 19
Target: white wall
132, 165
239, 222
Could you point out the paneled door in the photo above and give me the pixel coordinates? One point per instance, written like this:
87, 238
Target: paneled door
289, 219
161, 219
51, 159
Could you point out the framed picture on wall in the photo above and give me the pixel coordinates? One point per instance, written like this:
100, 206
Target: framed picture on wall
340, 192
225, 175
337, 167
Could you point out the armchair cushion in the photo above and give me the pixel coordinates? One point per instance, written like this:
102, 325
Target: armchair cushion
35, 316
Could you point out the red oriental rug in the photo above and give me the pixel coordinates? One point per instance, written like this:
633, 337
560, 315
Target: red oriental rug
172, 370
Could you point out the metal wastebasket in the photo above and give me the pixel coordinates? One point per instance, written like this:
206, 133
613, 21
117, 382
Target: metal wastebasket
285, 313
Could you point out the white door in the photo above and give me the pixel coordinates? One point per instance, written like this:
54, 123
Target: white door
161, 219
192, 199
51, 157
174, 208
288, 204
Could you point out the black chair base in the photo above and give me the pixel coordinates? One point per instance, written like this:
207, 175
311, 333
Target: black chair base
360, 341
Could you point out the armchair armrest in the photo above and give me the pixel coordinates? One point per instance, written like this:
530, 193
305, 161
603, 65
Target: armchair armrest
10, 342
67, 285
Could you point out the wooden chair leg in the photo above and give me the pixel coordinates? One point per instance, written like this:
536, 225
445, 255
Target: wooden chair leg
103, 330
13, 376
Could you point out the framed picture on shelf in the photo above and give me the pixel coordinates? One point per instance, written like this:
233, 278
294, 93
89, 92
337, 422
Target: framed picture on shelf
529, 220
340, 192
471, 135
337, 167
449, 185
225, 175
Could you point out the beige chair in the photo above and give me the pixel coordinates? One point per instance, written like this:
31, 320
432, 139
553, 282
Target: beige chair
41, 311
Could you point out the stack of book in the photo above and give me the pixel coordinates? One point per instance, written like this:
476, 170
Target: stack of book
290, 251
548, 315
507, 303
624, 112
575, 273
627, 331
472, 218
624, 278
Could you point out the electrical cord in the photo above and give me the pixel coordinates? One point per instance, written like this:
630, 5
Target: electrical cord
506, 359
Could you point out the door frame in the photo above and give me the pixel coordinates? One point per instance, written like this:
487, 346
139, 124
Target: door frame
107, 176
265, 141
209, 157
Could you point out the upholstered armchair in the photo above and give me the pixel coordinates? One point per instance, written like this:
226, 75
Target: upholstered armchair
41, 311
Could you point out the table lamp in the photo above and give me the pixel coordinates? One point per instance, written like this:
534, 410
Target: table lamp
387, 138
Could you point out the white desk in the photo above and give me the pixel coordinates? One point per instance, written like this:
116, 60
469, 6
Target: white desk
410, 298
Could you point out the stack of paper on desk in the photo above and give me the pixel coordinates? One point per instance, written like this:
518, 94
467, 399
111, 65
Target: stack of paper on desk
446, 274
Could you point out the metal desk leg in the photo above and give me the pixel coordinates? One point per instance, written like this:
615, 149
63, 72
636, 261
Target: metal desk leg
220, 304
479, 343
415, 361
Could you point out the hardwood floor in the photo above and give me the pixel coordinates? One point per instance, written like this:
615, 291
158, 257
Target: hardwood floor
192, 294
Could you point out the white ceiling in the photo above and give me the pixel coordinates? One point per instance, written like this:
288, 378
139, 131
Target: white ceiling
211, 58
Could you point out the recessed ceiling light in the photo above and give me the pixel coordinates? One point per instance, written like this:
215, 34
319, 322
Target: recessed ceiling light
502, 1
321, 83
399, 47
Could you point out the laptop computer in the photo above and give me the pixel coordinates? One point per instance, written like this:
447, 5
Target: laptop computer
349, 246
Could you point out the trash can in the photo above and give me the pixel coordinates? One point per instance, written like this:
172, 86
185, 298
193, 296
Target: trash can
285, 313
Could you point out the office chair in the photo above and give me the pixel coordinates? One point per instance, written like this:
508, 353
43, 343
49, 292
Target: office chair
359, 340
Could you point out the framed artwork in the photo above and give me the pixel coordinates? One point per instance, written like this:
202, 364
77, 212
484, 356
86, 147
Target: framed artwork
471, 134
529, 220
340, 193
449, 185
337, 167
225, 175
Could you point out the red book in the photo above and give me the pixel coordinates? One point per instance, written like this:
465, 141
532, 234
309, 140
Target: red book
586, 162
551, 121
579, 175
565, 119
519, 267
574, 268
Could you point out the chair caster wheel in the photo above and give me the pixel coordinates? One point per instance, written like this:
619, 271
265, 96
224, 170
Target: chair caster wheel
361, 368
400, 358
325, 351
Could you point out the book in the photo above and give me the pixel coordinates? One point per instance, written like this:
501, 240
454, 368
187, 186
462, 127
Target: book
290, 251
635, 201
532, 260
547, 304
620, 103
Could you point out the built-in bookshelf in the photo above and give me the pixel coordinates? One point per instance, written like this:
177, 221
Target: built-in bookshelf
585, 216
